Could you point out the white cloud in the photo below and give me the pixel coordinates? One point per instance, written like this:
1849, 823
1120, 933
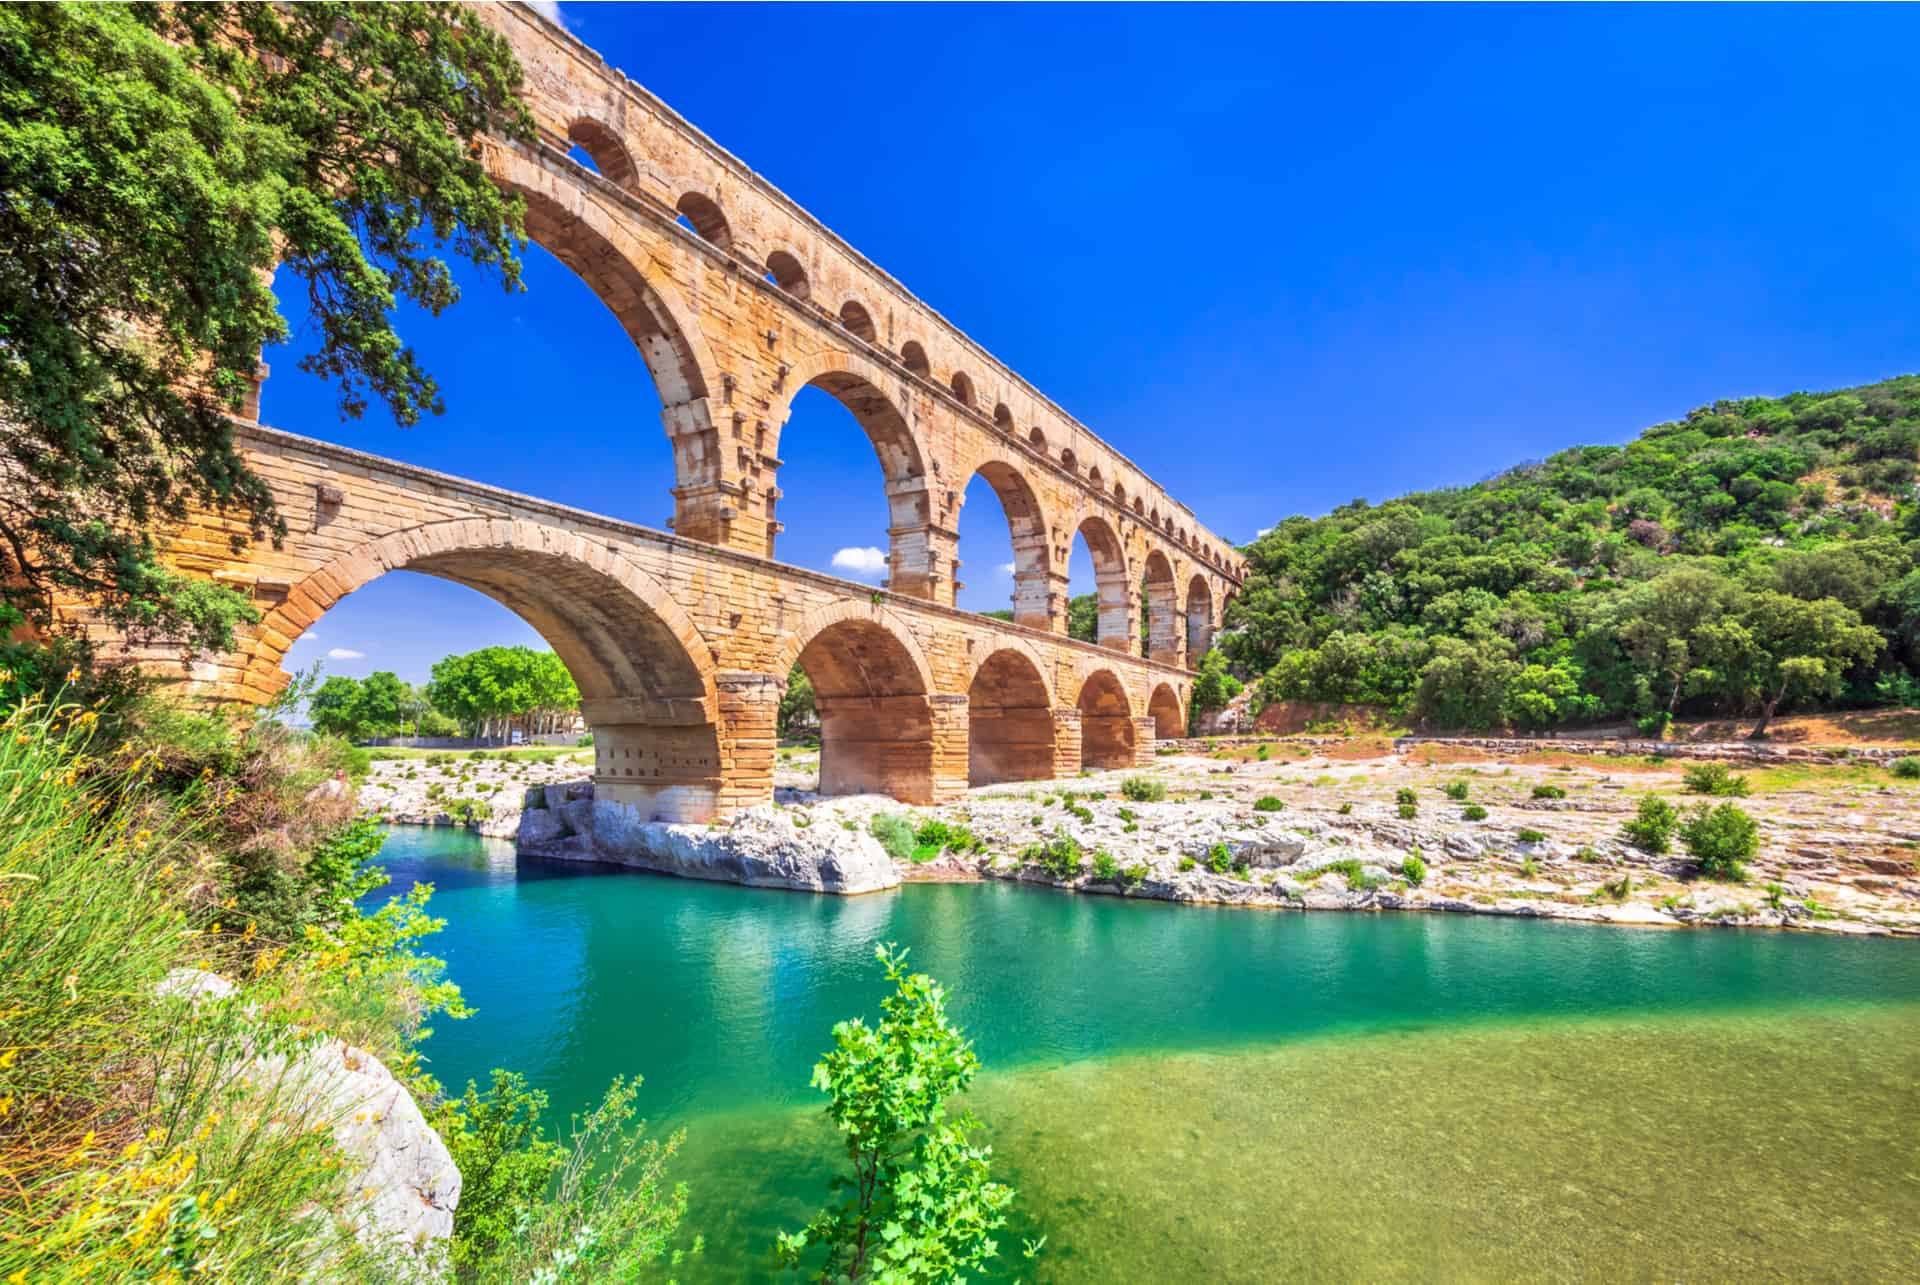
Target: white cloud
1261, 534
861, 562
345, 653
309, 636
548, 9
1006, 569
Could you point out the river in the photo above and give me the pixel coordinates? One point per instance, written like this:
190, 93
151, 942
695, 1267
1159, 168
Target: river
1190, 1093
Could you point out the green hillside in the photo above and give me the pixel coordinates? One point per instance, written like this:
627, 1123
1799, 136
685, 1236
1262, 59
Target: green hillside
1755, 556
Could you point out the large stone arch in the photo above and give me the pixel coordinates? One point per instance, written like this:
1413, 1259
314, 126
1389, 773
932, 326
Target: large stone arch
1199, 619
1107, 733
1028, 529
1169, 717
565, 217
1010, 724
859, 384
1112, 581
1162, 595
874, 692
644, 671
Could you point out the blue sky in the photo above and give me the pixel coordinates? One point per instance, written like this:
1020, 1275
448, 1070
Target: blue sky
1279, 256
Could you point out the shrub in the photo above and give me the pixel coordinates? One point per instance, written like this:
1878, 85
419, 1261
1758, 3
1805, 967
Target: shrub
1219, 858
1651, 829
1414, 870
1473, 812
1532, 836
1455, 790
1618, 889
1722, 839
1187, 863
1143, 789
1083, 814
895, 834
1907, 767
1406, 795
467, 811
1407, 811
1716, 779
1105, 868
946, 836
1548, 792
1529, 867
1346, 809
1268, 804
1208, 794
1060, 856
1261, 753
1133, 876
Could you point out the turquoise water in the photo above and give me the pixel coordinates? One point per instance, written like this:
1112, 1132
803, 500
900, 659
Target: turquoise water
1146, 1050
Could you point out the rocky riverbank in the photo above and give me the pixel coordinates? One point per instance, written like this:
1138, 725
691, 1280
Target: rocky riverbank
1326, 825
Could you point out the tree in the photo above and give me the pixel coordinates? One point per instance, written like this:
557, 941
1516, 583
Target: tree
331, 707
1083, 617
490, 690
796, 703
379, 704
1783, 648
158, 164
1213, 686
921, 1204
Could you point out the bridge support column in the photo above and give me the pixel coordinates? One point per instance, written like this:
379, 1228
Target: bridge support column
1144, 732
924, 562
951, 735
880, 745
664, 773
1120, 621
1039, 598
749, 717
1066, 743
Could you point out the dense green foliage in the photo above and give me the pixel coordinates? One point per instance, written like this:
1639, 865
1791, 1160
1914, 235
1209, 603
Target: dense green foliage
1757, 554
1722, 839
492, 690
158, 165
921, 1204
797, 712
381, 704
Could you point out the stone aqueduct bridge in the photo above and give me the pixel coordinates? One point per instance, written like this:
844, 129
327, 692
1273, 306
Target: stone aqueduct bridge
681, 642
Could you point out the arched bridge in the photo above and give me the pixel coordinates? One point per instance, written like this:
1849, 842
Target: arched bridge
681, 642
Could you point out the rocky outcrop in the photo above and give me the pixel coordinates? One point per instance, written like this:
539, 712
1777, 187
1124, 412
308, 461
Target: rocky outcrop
765, 847
403, 1184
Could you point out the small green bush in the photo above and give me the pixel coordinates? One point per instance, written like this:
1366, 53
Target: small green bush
1084, 814
1261, 753
1105, 868
1473, 812
895, 834
1346, 809
1548, 792
1187, 863
1455, 790
1133, 876
1268, 804
1407, 811
1208, 794
1406, 795
1219, 858
1532, 836
1722, 839
1651, 829
1907, 768
1715, 779
1143, 789
1619, 889
1529, 867
1060, 856
1414, 870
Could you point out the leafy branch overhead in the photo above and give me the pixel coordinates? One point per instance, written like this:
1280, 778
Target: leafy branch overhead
158, 165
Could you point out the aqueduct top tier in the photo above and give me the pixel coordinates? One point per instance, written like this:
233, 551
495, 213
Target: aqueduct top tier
738, 298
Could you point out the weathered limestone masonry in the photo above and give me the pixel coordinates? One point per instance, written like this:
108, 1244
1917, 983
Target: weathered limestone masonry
681, 643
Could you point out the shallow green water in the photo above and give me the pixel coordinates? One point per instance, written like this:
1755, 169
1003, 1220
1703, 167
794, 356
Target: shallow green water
1240, 1095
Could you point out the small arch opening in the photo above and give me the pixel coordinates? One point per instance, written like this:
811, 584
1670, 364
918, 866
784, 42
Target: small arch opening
785, 271
1199, 620
1009, 722
601, 149
703, 216
1169, 721
855, 318
1003, 418
1037, 439
915, 358
1106, 722
1067, 460
962, 387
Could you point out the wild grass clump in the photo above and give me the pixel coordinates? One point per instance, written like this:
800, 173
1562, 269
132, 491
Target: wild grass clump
1268, 803
1549, 792
1906, 767
895, 834
1715, 779
1143, 789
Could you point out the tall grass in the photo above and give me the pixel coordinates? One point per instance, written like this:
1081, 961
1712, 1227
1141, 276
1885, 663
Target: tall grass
142, 1136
